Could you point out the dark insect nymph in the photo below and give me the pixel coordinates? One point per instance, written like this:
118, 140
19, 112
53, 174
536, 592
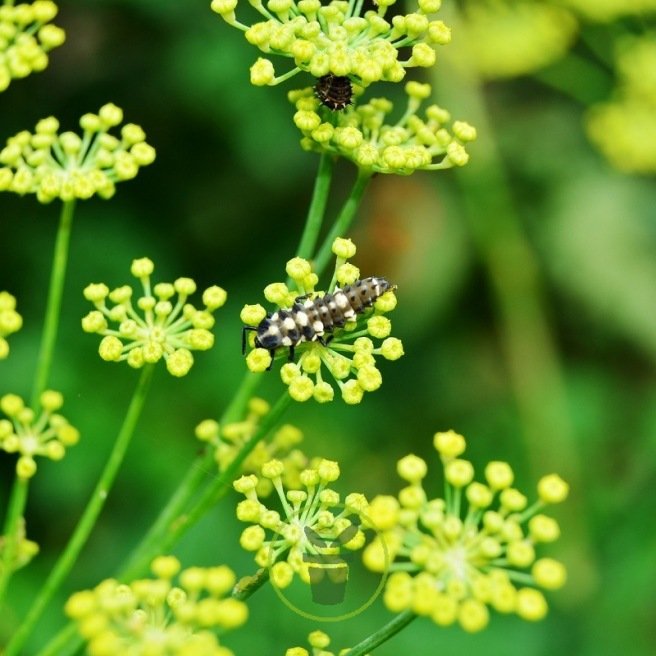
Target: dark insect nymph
309, 319
334, 91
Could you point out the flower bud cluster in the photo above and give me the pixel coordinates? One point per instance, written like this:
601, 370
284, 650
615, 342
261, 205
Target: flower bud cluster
350, 356
168, 327
30, 434
363, 134
24, 549
176, 613
290, 541
605, 11
68, 166
229, 440
454, 558
318, 641
624, 129
26, 37
338, 38
10, 321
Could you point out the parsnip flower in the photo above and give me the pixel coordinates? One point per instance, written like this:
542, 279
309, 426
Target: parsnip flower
161, 616
26, 37
311, 526
453, 558
30, 434
318, 641
338, 38
363, 133
168, 327
333, 331
10, 321
228, 440
69, 166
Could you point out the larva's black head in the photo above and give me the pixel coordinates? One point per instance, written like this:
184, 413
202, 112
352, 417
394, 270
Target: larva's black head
334, 91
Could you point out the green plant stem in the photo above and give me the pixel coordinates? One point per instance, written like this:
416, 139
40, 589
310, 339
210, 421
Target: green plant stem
383, 634
84, 527
192, 480
249, 584
343, 221
53, 307
317, 207
15, 511
214, 491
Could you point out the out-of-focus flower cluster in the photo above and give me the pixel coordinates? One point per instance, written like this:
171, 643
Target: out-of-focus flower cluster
24, 549
350, 357
168, 327
313, 523
624, 129
361, 134
10, 321
338, 38
30, 434
229, 440
69, 166
26, 37
159, 616
453, 558
506, 38
318, 641
605, 11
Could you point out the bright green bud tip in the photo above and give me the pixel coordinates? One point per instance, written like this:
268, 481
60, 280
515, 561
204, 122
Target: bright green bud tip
258, 360
344, 248
262, 73
251, 315
179, 362
552, 489
142, 268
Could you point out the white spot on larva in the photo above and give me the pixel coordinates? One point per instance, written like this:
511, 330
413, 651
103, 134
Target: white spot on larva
286, 341
289, 324
273, 330
308, 304
301, 318
341, 301
350, 313
317, 326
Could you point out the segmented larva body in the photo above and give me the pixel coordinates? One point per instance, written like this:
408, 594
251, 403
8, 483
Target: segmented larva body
309, 319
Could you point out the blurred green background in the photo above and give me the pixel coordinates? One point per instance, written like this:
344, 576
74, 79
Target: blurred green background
527, 306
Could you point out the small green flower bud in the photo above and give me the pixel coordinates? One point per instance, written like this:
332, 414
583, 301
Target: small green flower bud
552, 489
347, 274
262, 73
179, 362
110, 349
258, 360
352, 392
459, 472
344, 248
391, 348
110, 115
252, 315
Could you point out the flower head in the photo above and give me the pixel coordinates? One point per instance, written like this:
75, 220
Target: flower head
310, 529
453, 558
347, 350
228, 441
160, 615
339, 38
26, 37
68, 166
10, 321
30, 434
362, 135
168, 327
318, 641
24, 549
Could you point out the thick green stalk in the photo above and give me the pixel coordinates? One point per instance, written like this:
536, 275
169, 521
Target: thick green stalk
249, 584
317, 207
53, 307
383, 634
192, 479
88, 520
11, 530
343, 221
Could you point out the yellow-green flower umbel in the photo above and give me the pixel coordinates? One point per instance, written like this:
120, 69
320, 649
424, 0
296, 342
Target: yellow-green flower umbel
161, 616
338, 38
26, 37
228, 441
348, 353
69, 166
360, 133
318, 641
10, 321
30, 434
288, 543
168, 327
453, 558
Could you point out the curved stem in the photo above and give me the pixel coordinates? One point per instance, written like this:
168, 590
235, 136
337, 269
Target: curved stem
383, 634
317, 207
84, 527
343, 221
249, 584
11, 530
55, 292
191, 481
